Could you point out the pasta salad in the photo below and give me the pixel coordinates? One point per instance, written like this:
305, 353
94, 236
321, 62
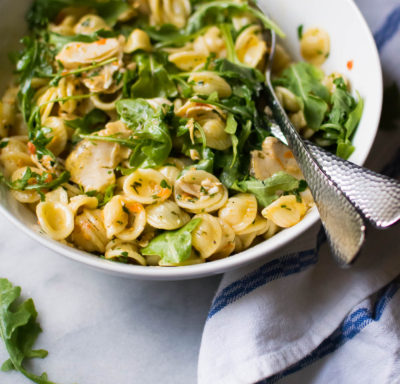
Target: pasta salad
136, 130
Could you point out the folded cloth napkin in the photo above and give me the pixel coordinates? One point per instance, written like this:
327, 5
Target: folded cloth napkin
299, 318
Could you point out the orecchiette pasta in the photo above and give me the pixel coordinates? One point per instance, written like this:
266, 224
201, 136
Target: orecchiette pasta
56, 219
147, 186
240, 211
250, 47
207, 82
124, 218
142, 135
199, 191
207, 236
315, 46
285, 212
89, 232
116, 249
166, 215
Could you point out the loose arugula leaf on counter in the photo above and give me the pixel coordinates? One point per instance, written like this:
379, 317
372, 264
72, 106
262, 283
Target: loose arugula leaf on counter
153, 79
304, 80
44, 11
19, 331
265, 191
173, 247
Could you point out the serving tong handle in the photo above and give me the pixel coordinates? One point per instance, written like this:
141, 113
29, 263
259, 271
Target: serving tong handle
343, 224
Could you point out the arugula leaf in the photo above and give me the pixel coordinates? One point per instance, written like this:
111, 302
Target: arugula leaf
304, 80
44, 11
103, 198
173, 247
95, 120
19, 331
265, 191
153, 79
58, 41
32, 181
354, 118
152, 142
35, 60
218, 12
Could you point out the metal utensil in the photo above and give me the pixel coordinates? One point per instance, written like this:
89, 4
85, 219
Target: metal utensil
345, 194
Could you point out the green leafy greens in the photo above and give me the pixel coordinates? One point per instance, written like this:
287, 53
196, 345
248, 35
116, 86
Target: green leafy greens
173, 247
334, 116
19, 331
44, 11
32, 181
266, 191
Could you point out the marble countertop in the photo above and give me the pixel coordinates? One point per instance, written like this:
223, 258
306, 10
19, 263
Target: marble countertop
102, 329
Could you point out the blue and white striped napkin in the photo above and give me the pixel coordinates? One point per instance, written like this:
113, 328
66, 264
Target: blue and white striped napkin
300, 318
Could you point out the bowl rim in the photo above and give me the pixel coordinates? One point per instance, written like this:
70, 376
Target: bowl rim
218, 266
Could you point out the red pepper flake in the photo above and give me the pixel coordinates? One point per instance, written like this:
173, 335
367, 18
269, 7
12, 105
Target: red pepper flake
31, 148
49, 178
350, 64
102, 41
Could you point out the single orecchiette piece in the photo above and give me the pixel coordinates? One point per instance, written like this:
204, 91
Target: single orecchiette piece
211, 120
25, 196
8, 111
15, 155
199, 191
56, 219
207, 236
227, 245
82, 201
92, 164
90, 23
58, 134
147, 186
137, 39
207, 82
58, 195
166, 215
89, 233
250, 46
315, 46
240, 211
272, 229
124, 218
73, 55
287, 99
211, 42
169, 12
258, 227
274, 157
285, 212
117, 248
188, 60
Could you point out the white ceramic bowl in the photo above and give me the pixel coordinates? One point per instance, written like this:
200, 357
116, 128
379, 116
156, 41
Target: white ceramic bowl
351, 39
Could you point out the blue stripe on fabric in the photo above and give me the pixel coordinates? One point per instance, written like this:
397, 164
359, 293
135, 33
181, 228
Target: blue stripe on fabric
284, 266
388, 29
275, 269
352, 325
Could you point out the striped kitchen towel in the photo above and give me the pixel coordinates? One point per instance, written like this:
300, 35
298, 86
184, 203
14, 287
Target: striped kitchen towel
301, 319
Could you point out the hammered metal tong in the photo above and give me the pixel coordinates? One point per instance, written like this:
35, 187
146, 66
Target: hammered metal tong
345, 194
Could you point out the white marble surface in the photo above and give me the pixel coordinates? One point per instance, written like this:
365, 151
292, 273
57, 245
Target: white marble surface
101, 329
